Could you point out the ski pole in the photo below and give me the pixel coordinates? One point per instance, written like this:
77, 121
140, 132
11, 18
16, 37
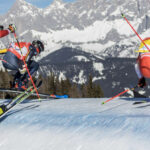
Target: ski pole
26, 66
119, 94
3, 60
135, 31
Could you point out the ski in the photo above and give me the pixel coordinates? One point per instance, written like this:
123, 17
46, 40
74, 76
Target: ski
4, 109
53, 96
140, 102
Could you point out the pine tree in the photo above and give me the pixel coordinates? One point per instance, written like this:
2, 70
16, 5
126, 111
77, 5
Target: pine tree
62, 87
58, 86
90, 87
99, 92
67, 85
91, 90
52, 86
83, 90
74, 91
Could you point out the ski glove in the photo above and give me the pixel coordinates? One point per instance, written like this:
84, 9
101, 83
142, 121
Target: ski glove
23, 70
142, 82
1, 27
12, 28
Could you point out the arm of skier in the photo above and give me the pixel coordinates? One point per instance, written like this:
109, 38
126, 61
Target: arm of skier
142, 81
33, 52
4, 33
11, 29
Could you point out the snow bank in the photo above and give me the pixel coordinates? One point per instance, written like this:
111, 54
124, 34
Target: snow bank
76, 124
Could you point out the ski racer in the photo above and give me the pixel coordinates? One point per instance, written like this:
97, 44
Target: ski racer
13, 60
11, 29
142, 66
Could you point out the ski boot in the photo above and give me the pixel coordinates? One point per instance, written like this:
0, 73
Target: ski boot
3, 108
22, 85
14, 84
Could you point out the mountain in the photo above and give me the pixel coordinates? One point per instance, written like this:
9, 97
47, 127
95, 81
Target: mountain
94, 26
111, 73
94, 29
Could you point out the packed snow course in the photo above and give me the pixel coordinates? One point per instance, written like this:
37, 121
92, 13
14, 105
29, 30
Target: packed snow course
76, 124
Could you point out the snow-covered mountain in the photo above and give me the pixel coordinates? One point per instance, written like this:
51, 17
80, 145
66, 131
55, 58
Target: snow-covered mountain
95, 27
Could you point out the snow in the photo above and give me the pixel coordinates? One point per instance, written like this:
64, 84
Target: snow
62, 76
77, 124
122, 27
89, 13
117, 12
96, 46
98, 78
99, 67
48, 40
54, 6
83, 13
89, 39
98, 30
80, 79
81, 58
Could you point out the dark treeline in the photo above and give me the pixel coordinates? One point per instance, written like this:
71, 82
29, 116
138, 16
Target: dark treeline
52, 85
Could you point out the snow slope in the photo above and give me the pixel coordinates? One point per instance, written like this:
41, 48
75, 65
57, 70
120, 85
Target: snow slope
76, 124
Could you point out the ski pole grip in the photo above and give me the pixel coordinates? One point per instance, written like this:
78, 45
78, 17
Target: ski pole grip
122, 15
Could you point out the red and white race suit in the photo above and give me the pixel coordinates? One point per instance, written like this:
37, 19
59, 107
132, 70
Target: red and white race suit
20, 53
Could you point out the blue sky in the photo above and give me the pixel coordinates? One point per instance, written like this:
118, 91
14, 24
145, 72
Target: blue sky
5, 5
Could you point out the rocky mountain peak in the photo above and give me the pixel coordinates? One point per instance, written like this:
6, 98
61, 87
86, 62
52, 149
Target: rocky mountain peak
57, 4
20, 3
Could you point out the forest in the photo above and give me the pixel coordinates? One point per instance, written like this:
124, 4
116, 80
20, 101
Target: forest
52, 85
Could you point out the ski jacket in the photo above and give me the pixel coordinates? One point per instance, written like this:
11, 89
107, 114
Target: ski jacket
143, 61
27, 51
142, 55
21, 54
144, 64
4, 33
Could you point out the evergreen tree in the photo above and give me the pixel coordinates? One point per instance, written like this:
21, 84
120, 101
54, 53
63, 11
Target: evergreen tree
91, 90
74, 91
58, 86
52, 86
99, 92
90, 87
62, 87
83, 90
67, 85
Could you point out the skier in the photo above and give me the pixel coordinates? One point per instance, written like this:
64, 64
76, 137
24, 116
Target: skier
142, 66
13, 60
11, 29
